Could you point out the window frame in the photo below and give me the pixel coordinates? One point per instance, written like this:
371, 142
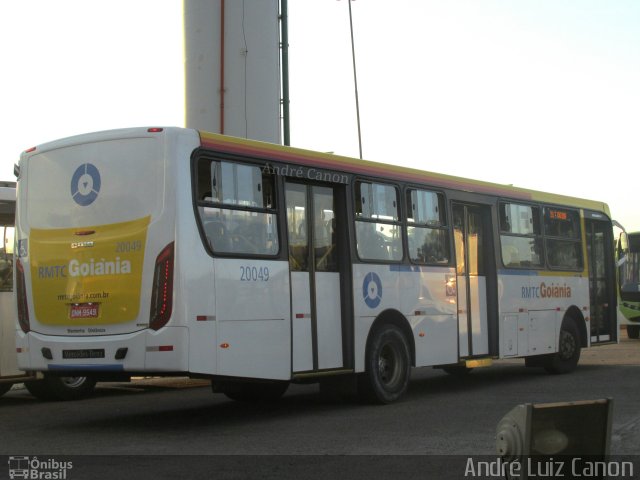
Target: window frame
399, 223
576, 240
444, 226
543, 236
198, 203
534, 236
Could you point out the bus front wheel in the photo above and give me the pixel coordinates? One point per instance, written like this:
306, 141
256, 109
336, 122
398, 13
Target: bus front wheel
387, 366
568, 354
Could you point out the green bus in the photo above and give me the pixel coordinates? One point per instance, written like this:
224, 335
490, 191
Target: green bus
629, 275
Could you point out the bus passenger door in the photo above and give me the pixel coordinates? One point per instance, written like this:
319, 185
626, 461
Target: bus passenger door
470, 222
315, 225
602, 281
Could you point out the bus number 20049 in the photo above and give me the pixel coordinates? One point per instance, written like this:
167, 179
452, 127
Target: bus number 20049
254, 274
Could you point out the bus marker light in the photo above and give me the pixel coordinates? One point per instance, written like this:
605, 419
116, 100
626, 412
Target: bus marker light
155, 129
421, 334
162, 291
224, 345
21, 297
29, 150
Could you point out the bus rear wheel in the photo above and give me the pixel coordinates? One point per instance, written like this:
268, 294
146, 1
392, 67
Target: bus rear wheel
566, 359
387, 366
61, 388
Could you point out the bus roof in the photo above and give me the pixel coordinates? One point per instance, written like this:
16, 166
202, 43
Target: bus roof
327, 161
331, 162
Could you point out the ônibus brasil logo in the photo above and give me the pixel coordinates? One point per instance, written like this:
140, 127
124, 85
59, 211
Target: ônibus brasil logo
34, 468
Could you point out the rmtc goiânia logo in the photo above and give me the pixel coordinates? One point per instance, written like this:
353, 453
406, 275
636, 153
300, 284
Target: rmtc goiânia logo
38, 469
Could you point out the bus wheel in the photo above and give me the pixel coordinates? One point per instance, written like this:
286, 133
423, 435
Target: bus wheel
61, 388
5, 387
253, 392
633, 331
566, 359
387, 366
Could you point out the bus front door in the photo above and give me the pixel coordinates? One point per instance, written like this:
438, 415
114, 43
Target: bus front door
602, 292
317, 259
471, 241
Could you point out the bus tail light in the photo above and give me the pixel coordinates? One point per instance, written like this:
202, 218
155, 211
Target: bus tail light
162, 294
21, 296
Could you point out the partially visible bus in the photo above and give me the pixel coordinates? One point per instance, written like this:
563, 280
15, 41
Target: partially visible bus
47, 387
169, 251
629, 280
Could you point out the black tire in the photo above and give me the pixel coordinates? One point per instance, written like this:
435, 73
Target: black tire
387, 366
61, 388
633, 331
253, 392
568, 355
5, 387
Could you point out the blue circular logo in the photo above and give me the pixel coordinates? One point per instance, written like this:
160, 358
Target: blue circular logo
85, 184
372, 290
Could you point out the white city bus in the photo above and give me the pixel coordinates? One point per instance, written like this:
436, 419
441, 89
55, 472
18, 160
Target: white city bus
49, 387
170, 251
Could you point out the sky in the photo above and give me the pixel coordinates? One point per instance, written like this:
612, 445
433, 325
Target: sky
541, 94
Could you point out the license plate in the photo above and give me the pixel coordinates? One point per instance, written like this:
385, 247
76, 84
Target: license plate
84, 310
89, 353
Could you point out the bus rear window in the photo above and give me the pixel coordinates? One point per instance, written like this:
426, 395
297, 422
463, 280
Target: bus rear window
95, 183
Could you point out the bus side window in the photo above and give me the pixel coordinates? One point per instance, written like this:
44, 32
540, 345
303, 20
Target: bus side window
217, 235
371, 245
6, 259
520, 236
426, 227
236, 203
378, 231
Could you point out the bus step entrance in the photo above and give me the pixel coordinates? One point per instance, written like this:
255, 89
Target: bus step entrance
478, 362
